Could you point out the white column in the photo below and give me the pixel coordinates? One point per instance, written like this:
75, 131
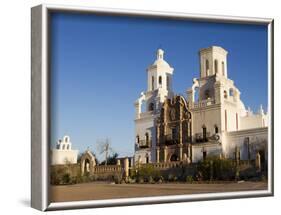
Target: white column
126, 167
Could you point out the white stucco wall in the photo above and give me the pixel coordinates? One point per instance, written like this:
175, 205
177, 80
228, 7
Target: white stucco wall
210, 149
140, 156
208, 116
145, 124
254, 121
63, 153
63, 156
258, 139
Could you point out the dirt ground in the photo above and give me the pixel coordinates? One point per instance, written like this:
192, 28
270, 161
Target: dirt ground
98, 191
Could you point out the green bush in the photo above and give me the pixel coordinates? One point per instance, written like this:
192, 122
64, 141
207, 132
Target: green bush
151, 180
140, 180
170, 177
131, 180
264, 178
145, 173
189, 179
60, 176
160, 179
66, 178
117, 179
216, 169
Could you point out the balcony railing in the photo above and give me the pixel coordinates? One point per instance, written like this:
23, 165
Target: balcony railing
144, 143
204, 103
199, 137
170, 140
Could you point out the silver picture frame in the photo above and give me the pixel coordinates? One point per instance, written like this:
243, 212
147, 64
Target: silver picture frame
40, 107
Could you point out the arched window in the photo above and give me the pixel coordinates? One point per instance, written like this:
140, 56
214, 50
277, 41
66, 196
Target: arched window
216, 129
204, 154
67, 147
63, 146
151, 107
160, 80
168, 82
146, 138
138, 139
222, 68
207, 67
147, 158
225, 94
204, 133
231, 92
174, 133
216, 66
152, 82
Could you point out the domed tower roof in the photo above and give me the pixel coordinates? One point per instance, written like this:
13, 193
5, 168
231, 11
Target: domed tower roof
160, 62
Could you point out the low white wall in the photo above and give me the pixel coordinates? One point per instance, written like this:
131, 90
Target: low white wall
63, 156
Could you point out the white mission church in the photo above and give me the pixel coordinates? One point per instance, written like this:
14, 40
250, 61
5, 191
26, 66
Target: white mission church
211, 120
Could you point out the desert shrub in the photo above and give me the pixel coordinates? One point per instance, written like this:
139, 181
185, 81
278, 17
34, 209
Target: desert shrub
117, 179
145, 173
264, 178
66, 178
94, 178
218, 169
248, 173
131, 180
55, 179
151, 180
189, 179
140, 180
60, 176
161, 179
171, 177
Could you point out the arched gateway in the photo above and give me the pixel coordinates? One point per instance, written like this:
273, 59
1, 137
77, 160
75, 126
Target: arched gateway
87, 162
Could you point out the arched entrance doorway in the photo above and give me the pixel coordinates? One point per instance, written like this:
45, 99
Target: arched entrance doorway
87, 163
87, 166
174, 157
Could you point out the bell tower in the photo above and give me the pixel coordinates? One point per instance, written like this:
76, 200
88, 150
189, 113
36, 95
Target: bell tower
213, 61
148, 107
159, 74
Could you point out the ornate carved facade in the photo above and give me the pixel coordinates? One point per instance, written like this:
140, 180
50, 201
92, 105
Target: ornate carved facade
174, 131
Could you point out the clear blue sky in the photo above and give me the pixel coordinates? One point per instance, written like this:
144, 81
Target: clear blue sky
98, 69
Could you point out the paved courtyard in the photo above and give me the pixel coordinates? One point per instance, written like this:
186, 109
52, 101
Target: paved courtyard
97, 191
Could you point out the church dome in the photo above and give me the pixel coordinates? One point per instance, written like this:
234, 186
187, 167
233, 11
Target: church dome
242, 108
160, 62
